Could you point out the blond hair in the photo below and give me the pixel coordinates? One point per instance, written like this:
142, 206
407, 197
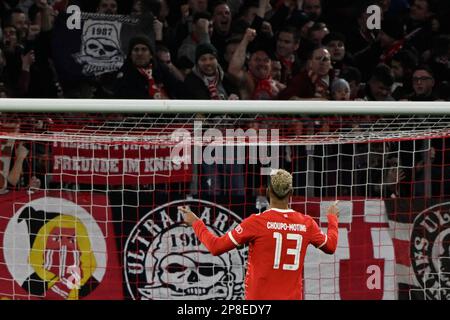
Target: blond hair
280, 183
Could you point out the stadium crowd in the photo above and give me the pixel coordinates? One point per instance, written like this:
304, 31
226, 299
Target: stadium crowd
234, 49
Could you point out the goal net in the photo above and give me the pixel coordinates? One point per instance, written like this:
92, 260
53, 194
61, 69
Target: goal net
89, 201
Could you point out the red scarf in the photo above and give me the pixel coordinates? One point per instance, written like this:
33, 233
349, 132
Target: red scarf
212, 87
387, 56
321, 87
155, 91
287, 62
263, 88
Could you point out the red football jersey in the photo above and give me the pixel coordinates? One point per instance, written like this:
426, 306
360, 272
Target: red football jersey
277, 240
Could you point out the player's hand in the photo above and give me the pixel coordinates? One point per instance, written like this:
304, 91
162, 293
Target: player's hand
333, 209
188, 216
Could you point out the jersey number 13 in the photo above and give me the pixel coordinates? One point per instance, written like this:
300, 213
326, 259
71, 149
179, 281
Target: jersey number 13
290, 251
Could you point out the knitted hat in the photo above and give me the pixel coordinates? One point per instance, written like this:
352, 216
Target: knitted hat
140, 39
205, 48
339, 84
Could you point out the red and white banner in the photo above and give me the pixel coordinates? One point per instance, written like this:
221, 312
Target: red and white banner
57, 246
392, 249
363, 265
117, 164
63, 246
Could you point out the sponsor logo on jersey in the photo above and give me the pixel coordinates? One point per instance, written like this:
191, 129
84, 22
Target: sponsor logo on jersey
238, 229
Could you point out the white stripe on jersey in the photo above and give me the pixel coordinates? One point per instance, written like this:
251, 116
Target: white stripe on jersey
277, 210
233, 239
281, 210
326, 239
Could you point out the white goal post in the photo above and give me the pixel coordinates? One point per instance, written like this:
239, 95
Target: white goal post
220, 106
107, 170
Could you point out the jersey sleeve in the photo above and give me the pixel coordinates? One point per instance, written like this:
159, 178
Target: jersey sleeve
243, 233
216, 245
326, 242
246, 231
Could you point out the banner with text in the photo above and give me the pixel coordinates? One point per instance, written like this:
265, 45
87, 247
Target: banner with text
117, 164
133, 245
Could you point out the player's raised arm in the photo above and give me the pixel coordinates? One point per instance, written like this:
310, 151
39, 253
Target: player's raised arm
188, 216
327, 242
215, 245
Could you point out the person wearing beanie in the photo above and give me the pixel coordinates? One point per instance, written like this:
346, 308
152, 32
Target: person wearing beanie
207, 80
142, 41
205, 48
142, 76
340, 90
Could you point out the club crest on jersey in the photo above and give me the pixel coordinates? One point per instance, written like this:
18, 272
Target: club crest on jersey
164, 259
430, 251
